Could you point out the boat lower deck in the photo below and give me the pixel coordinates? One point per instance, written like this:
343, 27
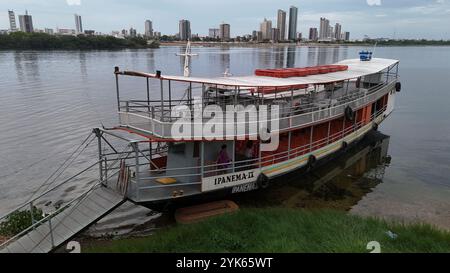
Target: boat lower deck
154, 185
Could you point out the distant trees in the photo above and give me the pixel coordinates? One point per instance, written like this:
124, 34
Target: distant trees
166, 38
403, 42
21, 40
211, 39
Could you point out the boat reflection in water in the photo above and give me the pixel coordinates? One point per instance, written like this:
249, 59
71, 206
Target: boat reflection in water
340, 183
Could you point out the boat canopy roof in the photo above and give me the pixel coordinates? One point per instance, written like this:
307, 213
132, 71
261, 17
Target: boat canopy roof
356, 69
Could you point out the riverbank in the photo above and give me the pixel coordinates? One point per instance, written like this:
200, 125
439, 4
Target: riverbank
249, 44
369, 43
43, 41
283, 230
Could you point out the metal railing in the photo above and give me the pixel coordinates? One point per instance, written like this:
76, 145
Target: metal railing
162, 110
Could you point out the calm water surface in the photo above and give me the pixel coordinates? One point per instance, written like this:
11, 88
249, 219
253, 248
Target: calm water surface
50, 101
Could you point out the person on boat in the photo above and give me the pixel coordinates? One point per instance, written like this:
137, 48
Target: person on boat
249, 151
223, 160
249, 155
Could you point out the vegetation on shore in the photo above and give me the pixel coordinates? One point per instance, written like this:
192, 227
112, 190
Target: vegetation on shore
18, 222
403, 42
43, 41
286, 231
367, 42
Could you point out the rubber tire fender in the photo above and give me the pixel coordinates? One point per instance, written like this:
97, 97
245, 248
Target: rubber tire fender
263, 181
344, 145
375, 126
312, 160
398, 86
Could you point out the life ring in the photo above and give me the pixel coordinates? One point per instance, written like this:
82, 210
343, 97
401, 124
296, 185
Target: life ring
263, 182
349, 113
398, 86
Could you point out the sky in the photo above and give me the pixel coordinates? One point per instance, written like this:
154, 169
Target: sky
429, 19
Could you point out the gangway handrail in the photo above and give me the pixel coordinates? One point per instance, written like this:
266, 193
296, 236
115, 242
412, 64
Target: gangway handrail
48, 191
54, 213
48, 217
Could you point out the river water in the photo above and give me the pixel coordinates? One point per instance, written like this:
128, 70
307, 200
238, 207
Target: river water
50, 101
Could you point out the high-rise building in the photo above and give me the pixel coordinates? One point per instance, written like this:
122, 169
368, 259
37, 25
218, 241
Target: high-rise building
347, 36
293, 18
313, 35
259, 36
133, 32
12, 21
338, 32
184, 30
224, 32
148, 29
255, 35
213, 33
330, 34
78, 24
266, 29
26, 22
281, 24
275, 35
324, 28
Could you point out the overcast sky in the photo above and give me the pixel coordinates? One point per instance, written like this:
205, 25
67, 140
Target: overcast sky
377, 18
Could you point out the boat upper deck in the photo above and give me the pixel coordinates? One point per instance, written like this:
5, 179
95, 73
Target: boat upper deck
356, 69
302, 101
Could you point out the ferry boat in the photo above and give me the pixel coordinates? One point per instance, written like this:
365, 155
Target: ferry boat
312, 113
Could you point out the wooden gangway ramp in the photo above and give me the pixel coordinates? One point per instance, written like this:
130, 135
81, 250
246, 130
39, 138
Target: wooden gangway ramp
55, 231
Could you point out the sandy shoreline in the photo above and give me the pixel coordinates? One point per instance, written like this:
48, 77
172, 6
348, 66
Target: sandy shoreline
281, 45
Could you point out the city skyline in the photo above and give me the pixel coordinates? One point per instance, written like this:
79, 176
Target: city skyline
416, 19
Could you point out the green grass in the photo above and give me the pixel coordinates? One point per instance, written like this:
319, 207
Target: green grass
286, 231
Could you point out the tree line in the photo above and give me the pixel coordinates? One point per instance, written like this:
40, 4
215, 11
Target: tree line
43, 41
403, 42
